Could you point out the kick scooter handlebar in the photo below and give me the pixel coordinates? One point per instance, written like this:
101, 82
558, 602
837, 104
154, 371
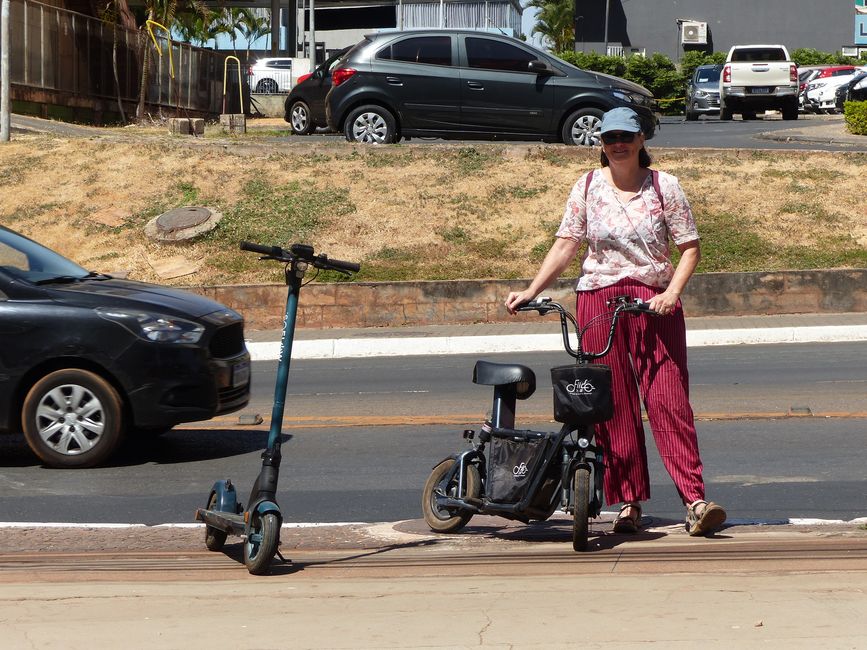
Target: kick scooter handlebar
301, 253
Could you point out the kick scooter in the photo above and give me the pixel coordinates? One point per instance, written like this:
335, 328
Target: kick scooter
259, 523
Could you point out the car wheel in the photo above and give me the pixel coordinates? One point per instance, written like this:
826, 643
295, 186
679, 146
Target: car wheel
725, 113
72, 418
300, 119
790, 111
691, 116
582, 127
266, 87
370, 124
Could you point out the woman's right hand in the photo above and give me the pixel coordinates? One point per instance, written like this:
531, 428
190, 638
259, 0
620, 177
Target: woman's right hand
517, 298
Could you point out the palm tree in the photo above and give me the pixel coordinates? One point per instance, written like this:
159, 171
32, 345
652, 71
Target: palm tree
163, 12
555, 21
232, 19
253, 27
200, 28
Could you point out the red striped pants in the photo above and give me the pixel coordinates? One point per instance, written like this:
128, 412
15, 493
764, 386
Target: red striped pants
648, 360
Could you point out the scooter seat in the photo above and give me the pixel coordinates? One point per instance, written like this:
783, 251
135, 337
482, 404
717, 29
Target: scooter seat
503, 374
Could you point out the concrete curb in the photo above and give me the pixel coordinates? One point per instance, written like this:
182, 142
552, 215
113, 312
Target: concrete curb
346, 348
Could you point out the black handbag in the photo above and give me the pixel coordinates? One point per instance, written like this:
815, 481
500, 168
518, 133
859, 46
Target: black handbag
582, 393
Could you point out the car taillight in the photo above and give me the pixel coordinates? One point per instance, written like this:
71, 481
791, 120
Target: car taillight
793, 73
727, 74
340, 75
304, 77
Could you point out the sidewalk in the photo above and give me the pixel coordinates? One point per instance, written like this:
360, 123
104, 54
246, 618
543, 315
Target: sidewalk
496, 585
833, 131
544, 335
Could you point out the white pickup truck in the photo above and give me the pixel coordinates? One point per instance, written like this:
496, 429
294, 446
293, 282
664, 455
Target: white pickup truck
758, 78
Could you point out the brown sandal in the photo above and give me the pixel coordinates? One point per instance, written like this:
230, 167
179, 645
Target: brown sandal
625, 524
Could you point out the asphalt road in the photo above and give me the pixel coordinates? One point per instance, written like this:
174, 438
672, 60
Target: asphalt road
707, 132
762, 468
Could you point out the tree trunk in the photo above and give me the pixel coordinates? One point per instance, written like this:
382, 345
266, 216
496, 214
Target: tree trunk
114, 69
142, 91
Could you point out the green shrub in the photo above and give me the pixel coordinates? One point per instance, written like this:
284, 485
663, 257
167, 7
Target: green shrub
856, 117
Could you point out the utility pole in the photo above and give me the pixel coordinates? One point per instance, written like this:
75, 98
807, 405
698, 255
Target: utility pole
607, 8
5, 73
312, 35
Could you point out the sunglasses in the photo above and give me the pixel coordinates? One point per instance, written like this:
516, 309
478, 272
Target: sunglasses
618, 136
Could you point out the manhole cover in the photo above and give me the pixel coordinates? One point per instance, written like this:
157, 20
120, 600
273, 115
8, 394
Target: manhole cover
182, 224
181, 218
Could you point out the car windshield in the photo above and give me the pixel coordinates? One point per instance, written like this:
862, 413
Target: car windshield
25, 259
709, 75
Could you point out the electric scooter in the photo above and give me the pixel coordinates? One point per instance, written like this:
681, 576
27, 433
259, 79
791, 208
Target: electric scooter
526, 475
259, 523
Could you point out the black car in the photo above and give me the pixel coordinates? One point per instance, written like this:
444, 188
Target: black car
304, 108
855, 90
470, 84
87, 359
702, 92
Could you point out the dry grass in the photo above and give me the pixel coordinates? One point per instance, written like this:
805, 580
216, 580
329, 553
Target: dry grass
407, 212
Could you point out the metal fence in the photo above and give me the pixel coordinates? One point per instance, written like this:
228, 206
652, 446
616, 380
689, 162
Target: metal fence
64, 52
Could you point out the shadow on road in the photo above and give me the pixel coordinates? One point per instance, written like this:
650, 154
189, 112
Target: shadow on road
182, 446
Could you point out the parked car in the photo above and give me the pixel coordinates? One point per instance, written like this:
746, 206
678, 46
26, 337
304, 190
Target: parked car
305, 105
758, 78
821, 91
469, 84
855, 90
270, 75
702, 92
88, 359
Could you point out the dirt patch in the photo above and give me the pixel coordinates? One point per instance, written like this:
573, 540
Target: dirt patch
425, 211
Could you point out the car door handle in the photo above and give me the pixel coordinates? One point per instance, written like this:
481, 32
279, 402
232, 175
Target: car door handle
475, 85
394, 81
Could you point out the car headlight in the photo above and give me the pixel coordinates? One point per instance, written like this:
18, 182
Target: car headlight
157, 328
626, 96
700, 93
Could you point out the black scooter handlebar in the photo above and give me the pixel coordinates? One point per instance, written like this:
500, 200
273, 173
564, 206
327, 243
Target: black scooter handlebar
272, 251
340, 265
301, 252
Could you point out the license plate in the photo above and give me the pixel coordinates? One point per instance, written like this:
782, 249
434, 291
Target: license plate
761, 90
240, 374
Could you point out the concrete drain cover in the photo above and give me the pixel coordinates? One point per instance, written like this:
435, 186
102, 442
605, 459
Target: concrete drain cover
182, 223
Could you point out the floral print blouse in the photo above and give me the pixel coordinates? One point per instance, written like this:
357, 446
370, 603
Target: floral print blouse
627, 240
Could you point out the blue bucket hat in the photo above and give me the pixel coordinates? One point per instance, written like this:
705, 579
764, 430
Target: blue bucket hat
621, 119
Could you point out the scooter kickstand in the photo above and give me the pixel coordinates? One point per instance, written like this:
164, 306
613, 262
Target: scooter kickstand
282, 559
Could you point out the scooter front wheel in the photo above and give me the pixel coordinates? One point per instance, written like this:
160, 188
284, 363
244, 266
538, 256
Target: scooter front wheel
261, 543
581, 508
443, 520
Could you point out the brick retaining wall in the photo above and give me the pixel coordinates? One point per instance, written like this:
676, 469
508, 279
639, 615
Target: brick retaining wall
372, 304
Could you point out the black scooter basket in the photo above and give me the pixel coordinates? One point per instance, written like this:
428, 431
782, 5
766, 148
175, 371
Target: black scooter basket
582, 393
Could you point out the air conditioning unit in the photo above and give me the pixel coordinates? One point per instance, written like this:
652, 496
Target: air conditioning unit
693, 33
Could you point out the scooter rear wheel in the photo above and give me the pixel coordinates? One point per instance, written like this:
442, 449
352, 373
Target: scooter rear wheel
261, 543
215, 538
441, 520
581, 505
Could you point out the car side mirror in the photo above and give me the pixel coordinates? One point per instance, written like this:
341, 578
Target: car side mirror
540, 67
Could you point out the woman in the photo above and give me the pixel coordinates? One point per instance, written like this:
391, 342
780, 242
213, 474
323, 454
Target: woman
626, 215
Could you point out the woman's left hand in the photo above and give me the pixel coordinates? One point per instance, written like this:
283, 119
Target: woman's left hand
664, 303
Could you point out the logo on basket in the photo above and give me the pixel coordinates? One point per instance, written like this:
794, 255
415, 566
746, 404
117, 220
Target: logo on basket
520, 470
580, 387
